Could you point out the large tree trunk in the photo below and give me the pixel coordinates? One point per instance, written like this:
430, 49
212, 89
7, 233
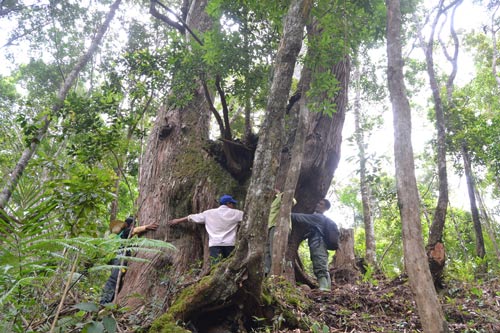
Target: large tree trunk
177, 177
234, 286
431, 313
321, 158
322, 146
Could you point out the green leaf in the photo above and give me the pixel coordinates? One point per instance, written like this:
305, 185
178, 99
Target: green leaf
93, 327
109, 324
88, 307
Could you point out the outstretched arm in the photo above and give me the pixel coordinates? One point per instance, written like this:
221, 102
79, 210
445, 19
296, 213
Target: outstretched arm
177, 221
143, 228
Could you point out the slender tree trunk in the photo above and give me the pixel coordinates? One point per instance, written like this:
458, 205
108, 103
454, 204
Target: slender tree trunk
279, 264
431, 313
494, 30
486, 218
61, 96
435, 247
364, 185
480, 251
436, 230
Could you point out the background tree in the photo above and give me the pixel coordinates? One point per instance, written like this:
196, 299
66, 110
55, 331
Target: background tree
419, 275
435, 247
368, 95
364, 186
45, 119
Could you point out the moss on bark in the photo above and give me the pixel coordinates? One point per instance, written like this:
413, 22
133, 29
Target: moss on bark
166, 324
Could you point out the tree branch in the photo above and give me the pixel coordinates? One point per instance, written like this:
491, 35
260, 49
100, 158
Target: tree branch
213, 109
454, 58
225, 110
181, 25
153, 11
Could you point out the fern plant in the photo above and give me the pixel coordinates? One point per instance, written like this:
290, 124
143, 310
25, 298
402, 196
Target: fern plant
37, 260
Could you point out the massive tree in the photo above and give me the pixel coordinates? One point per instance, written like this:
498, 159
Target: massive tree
183, 171
178, 176
180, 173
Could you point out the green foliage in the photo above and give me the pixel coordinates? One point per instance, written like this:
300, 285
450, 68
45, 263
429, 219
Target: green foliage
34, 256
320, 328
344, 29
236, 52
369, 277
97, 323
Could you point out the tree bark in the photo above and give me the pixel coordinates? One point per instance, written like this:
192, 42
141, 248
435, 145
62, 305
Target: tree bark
61, 96
435, 241
370, 252
437, 226
478, 230
280, 264
177, 178
343, 267
322, 146
487, 220
321, 156
236, 283
431, 313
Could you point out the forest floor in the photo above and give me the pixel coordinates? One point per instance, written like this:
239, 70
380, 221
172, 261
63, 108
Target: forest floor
388, 306
379, 305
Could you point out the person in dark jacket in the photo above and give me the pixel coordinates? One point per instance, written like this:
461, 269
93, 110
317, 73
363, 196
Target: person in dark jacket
123, 230
318, 251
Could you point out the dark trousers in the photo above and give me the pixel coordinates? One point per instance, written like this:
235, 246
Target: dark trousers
218, 252
268, 256
318, 253
108, 292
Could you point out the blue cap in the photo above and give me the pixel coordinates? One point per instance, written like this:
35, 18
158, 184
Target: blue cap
226, 198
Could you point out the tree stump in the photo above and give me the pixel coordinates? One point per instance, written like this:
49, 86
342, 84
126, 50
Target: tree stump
343, 268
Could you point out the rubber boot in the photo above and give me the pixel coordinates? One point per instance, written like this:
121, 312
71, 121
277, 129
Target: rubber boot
325, 284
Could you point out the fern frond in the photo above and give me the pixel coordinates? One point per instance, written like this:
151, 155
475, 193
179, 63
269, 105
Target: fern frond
19, 283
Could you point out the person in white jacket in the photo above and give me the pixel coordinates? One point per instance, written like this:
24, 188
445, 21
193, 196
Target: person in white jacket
221, 224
